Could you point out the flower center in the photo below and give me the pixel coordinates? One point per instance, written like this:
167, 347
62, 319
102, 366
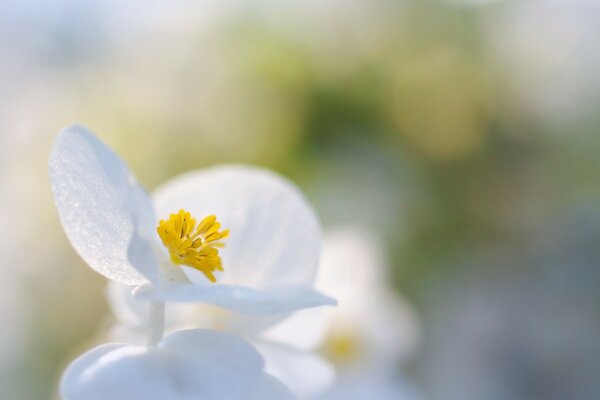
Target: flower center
343, 348
191, 245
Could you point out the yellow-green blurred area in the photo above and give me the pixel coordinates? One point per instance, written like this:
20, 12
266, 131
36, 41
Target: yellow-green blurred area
465, 132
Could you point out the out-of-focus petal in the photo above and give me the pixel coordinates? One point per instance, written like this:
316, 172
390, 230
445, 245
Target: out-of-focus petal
245, 300
274, 233
374, 383
99, 203
245, 325
188, 365
131, 315
353, 269
306, 374
127, 309
271, 388
352, 266
392, 326
303, 330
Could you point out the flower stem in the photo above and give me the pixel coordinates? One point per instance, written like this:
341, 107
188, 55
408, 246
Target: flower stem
156, 323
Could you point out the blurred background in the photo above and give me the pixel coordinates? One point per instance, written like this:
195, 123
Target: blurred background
463, 132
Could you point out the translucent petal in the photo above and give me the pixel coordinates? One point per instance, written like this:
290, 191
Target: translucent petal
271, 388
274, 233
188, 365
306, 374
99, 203
241, 299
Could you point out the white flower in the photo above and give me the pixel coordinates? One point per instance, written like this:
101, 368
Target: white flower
271, 255
188, 365
366, 336
289, 356
378, 322
373, 329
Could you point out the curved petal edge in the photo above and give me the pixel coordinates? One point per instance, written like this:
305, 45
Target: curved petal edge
99, 203
244, 300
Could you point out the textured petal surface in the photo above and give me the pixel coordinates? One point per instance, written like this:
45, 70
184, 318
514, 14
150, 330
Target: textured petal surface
306, 374
99, 203
274, 233
271, 388
188, 365
245, 300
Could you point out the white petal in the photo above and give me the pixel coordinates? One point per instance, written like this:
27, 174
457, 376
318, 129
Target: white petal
303, 330
188, 365
127, 309
306, 374
271, 388
245, 300
352, 263
131, 315
354, 270
132, 318
392, 326
74, 373
99, 203
372, 383
274, 233
245, 325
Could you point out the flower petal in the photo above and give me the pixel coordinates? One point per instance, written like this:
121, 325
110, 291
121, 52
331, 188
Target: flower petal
71, 379
245, 300
274, 233
372, 383
194, 364
99, 203
306, 374
271, 388
353, 269
303, 330
131, 315
127, 309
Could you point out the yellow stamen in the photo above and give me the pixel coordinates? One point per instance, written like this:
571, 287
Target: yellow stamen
193, 246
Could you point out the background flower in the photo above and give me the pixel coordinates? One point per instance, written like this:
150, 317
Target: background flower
375, 330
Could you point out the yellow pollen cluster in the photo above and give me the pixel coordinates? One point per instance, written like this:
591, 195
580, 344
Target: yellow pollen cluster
191, 245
